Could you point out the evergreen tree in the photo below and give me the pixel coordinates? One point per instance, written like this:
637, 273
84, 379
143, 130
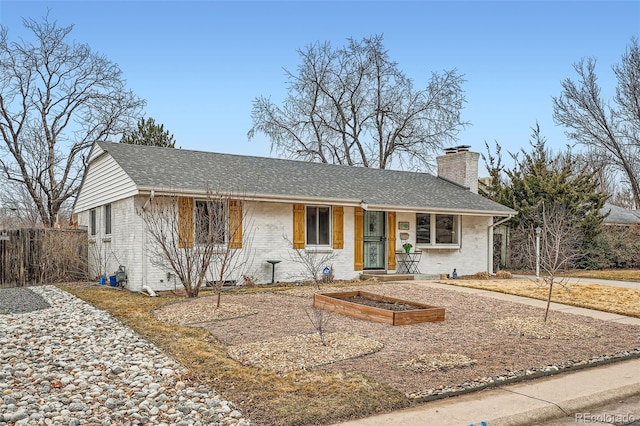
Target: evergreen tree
540, 180
149, 133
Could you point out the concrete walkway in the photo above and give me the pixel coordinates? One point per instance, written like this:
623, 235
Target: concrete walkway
605, 316
575, 280
532, 402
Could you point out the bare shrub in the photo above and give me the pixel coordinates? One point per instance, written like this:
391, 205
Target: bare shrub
484, 275
205, 240
312, 261
503, 275
64, 256
249, 281
319, 320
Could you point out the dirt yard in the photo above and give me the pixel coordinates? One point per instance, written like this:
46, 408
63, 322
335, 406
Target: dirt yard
480, 337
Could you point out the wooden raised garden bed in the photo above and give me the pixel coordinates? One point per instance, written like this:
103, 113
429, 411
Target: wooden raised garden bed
377, 308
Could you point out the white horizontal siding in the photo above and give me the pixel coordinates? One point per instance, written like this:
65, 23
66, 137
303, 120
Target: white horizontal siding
104, 182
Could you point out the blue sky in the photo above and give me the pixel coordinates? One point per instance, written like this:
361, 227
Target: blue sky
200, 64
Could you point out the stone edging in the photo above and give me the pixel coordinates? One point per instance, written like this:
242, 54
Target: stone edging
522, 375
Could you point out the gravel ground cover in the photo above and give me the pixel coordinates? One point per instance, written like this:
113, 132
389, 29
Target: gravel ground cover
64, 362
481, 341
20, 300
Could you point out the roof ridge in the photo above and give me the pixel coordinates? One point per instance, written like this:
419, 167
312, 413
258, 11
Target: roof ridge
102, 144
194, 171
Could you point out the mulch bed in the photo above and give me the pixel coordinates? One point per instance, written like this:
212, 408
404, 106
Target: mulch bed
469, 330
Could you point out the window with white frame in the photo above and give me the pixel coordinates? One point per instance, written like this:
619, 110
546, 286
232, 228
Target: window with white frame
107, 219
318, 222
423, 228
437, 229
92, 222
211, 222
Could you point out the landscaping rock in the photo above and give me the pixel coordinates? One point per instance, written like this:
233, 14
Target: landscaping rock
67, 362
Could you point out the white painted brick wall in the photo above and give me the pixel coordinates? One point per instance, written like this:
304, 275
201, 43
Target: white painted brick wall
264, 241
273, 221
122, 248
470, 258
264, 229
460, 167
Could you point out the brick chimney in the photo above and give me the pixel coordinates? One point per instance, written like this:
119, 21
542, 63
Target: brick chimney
459, 165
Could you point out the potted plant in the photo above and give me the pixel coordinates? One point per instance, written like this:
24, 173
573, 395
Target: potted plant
407, 247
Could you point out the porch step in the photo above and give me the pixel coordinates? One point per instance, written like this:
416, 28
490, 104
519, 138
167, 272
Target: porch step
383, 276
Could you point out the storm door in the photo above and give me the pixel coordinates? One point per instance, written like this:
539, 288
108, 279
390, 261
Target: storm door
374, 240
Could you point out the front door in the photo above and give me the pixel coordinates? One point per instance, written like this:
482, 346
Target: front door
374, 240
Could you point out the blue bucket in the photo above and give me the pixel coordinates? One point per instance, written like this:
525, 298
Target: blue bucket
112, 281
103, 280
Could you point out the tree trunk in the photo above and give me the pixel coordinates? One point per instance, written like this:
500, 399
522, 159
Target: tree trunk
546, 312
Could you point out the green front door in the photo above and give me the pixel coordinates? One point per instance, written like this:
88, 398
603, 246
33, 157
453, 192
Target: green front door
374, 240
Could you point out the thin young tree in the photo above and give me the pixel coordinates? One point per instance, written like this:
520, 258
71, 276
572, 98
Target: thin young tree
198, 240
319, 320
560, 245
56, 98
353, 105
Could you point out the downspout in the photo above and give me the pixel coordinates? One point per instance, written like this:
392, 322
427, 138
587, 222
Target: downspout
143, 253
490, 242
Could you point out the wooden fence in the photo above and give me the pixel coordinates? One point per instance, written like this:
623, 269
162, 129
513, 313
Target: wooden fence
31, 256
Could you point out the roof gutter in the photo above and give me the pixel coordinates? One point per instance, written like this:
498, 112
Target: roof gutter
254, 197
348, 202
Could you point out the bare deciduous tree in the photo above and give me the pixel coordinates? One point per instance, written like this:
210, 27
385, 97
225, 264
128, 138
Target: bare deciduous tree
200, 241
607, 176
560, 246
613, 129
354, 106
18, 206
56, 99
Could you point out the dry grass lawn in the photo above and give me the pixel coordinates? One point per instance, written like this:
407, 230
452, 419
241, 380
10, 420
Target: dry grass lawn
618, 300
608, 274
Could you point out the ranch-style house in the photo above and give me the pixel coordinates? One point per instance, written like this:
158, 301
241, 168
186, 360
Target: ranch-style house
362, 215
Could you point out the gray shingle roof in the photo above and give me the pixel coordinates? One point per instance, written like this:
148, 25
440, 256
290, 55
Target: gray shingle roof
185, 170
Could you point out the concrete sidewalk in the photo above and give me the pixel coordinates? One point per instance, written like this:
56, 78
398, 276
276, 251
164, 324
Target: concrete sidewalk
532, 402
525, 403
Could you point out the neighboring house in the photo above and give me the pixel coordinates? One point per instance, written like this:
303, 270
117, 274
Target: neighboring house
619, 216
358, 213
